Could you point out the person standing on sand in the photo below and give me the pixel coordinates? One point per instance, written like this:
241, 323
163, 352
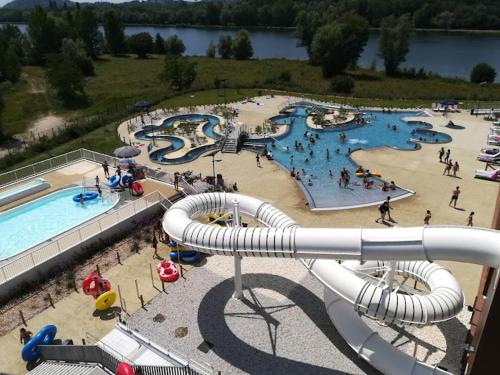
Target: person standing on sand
154, 243
105, 168
447, 156
441, 154
469, 219
383, 211
257, 159
427, 217
447, 169
455, 169
454, 197
389, 208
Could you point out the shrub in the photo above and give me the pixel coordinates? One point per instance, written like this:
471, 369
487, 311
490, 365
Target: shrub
343, 84
483, 73
285, 76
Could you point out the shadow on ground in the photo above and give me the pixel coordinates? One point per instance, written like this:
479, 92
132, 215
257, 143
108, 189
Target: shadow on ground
214, 328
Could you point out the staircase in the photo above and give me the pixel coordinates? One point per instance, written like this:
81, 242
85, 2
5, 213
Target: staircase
230, 146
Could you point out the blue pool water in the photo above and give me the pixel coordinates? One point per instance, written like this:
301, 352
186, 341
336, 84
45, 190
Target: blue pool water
177, 143
323, 191
37, 221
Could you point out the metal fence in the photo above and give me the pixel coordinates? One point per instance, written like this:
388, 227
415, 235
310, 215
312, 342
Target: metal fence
56, 162
95, 354
54, 247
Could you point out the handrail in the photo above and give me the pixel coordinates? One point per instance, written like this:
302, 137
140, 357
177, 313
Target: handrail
52, 248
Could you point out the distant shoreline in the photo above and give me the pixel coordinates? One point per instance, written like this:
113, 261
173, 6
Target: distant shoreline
276, 28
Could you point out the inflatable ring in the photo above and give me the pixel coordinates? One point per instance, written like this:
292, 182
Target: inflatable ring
189, 256
94, 285
124, 368
172, 244
167, 271
127, 180
105, 300
91, 195
137, 188
370, 174
45, 336
114, 181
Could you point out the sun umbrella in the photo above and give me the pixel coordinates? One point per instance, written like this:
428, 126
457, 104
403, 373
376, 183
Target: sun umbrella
449, 102
126, 152
143, 104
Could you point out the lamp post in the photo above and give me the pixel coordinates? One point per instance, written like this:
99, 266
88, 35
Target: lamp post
212, 155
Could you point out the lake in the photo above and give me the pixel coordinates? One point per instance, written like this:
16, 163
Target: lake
448, 54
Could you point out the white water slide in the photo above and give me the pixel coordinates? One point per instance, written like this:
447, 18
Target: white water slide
364, 281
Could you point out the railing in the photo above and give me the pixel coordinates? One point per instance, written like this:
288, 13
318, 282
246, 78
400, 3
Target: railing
95, 354
48, 165
52, 248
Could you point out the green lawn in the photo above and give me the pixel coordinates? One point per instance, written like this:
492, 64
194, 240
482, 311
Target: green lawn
120, 82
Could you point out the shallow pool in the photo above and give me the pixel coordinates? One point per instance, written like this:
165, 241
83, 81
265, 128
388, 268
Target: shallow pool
37, 221
329, 152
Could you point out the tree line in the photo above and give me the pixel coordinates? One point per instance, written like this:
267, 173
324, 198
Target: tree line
443, 14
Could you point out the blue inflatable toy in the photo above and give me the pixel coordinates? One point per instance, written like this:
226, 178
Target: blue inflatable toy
91, 195
189, 256
45, 336
114, 181
127, 180
172, 244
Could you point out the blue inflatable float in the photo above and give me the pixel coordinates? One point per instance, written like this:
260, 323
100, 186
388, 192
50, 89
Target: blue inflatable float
187, 256
127, 180
45, 336
114, 181
91, 195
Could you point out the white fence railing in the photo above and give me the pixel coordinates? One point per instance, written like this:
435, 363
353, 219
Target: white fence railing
54, 247
48, 165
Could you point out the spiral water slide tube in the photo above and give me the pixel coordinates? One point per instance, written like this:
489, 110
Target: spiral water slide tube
356, 283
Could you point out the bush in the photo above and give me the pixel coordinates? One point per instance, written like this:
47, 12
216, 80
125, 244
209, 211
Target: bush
483, 73
285, 76
343, 84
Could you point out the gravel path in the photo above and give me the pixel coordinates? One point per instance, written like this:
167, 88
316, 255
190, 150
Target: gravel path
280, 328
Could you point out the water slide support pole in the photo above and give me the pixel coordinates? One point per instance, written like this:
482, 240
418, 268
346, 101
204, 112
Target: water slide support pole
238, 286
390, 275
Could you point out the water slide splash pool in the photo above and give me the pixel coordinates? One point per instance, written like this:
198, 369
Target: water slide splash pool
177, 143
351, 286
27, 225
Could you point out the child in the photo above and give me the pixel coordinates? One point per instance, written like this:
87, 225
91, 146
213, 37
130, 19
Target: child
469, 219
427, 217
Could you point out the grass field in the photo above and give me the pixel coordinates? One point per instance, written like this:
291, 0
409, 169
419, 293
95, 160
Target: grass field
120, 82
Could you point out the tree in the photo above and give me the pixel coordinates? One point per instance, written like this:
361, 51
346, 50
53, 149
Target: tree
211, 50
65, 77
393, 43
10, 66
174, 45
178, 72
141, 44
342, 83
113, 31
242, 46
75, 51
339, 44
86, 29
483, 72
2, 135
225, 46
45, 35
159, 44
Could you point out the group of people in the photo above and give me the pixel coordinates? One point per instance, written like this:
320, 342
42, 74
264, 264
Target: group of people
469, 221
444, 157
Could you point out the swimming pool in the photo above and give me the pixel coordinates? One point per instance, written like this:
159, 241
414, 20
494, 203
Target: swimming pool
176, 143
23, 190
329, 152
37, 221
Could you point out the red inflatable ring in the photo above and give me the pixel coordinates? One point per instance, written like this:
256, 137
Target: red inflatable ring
167, 271
95, 285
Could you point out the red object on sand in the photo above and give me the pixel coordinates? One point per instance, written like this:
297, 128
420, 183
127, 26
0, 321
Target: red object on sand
124, 369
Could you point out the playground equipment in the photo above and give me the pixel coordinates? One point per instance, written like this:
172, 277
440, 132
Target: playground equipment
167, 271
45, 336
100, 289
365, 284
